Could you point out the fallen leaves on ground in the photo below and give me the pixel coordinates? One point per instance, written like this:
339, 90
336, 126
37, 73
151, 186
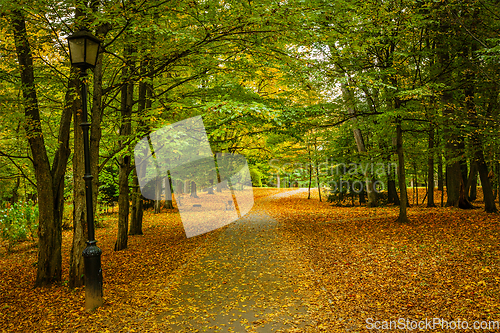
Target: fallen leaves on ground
346, 264
131, 278
363, 264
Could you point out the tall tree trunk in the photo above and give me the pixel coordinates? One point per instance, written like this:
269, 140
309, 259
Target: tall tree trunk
489, 200
440, 172
50, 180
430, 168
158, 190
403, 218
137, 209
318, 182
360, 144
97, 115
455, 186
392, 192
194, 194
143, 104
76, 265
127, 93
415, 183
468, 55
310, 173
168, 193
497, 187
441, 177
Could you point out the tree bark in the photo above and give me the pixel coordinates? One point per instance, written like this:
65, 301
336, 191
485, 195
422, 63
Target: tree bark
193, 190
318, 182
137, 209
477, 140
310, 174
497, 187
127, 93
489, 200
76, 265
430, 168
440, 173
168, 193
392, 192
360, 144
403, 218
50, 180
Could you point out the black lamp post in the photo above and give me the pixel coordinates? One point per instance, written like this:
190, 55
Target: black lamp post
83, 50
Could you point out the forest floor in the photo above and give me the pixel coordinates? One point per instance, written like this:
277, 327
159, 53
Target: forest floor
290, 265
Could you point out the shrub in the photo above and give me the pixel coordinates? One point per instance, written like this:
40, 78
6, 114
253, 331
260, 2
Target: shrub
17, 222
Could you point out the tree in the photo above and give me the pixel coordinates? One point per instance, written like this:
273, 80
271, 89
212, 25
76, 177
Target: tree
49, 178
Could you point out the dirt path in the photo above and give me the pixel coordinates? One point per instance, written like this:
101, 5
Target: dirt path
241, 283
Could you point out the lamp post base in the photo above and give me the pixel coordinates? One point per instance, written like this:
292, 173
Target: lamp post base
93, 276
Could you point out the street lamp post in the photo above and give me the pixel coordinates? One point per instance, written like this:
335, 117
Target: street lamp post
84, 49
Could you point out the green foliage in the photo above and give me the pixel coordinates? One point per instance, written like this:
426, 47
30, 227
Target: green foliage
17, 222
108, 189
256, 175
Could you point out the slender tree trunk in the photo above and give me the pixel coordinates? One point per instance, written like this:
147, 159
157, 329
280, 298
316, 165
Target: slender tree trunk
168, 193
193, 190
76, 266
310, 173
50, 180
455, 186
97, 114
360, 144
403, 218
497, 187
123, 205
415, 180
137, 209
158, 190
392, 192
498, 182
440, 173
477, 140
127, 93
430, 168
440, 177
489, 200
317, 180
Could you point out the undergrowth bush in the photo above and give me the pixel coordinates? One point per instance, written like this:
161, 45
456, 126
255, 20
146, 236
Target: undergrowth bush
18, 222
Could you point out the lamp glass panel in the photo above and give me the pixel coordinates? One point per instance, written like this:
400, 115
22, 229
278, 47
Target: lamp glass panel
92, 51
77, 50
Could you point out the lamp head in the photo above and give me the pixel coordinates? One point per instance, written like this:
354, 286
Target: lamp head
83, 49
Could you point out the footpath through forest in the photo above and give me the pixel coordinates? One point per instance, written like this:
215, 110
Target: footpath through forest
243, 282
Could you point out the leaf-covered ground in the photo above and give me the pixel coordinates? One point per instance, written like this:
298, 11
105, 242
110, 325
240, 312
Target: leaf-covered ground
294, 265
444, 264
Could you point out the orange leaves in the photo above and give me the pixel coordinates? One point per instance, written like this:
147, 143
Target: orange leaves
342, 264
442, 264
131, 277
